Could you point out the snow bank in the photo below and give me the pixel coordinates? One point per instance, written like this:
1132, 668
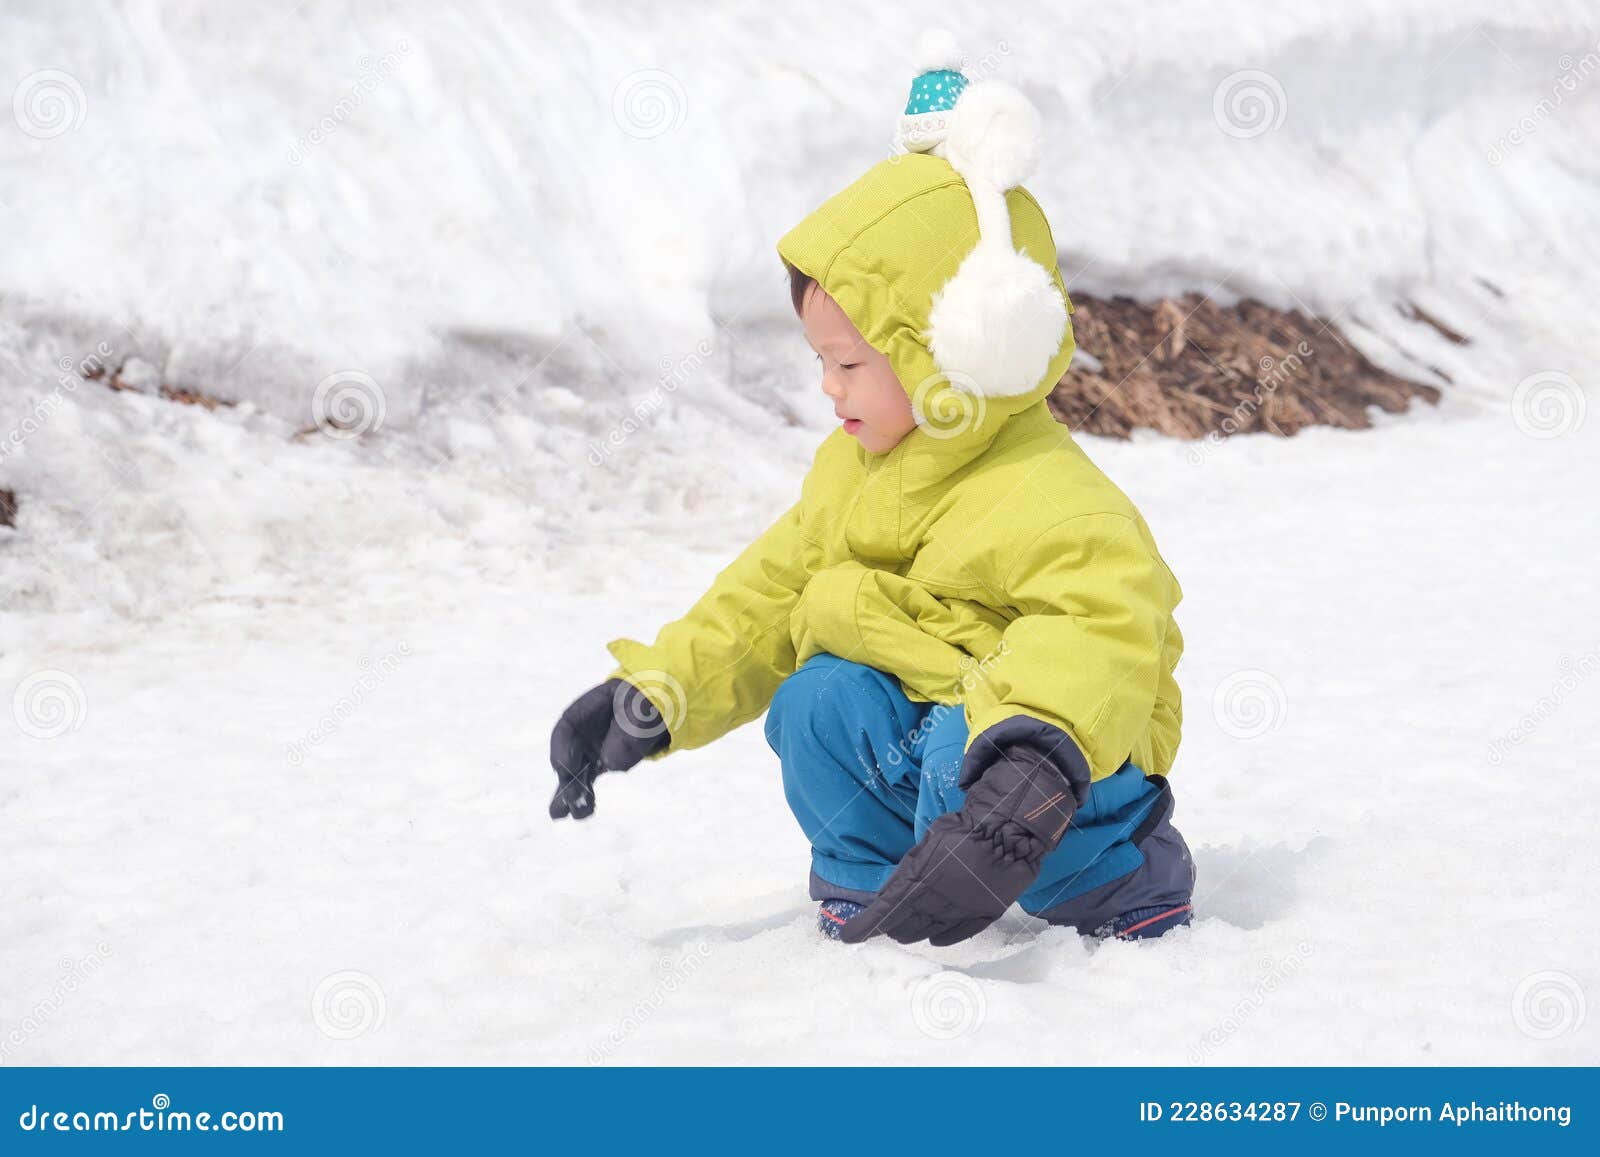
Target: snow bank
533, 251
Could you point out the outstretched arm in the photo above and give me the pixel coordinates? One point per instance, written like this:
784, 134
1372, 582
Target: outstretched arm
719, 665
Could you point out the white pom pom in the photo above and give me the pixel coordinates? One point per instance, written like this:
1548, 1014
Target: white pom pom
994, 135
999, 321
938, 51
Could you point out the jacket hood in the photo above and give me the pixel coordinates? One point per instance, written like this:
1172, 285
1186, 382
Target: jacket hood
884, 248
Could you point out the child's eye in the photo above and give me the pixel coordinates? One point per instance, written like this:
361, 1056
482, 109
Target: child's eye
851, 366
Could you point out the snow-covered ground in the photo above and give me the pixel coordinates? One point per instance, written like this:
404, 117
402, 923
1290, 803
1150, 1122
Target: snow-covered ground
1374, 885
273, 776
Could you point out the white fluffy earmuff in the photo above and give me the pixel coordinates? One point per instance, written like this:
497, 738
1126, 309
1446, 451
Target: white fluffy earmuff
998, 322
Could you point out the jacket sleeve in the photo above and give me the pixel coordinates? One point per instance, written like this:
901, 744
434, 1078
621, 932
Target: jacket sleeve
1093, 643
719, 665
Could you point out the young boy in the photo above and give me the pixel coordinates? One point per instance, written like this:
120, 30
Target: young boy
963, 629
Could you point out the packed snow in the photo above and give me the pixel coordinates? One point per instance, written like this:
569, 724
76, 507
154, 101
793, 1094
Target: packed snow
277, 696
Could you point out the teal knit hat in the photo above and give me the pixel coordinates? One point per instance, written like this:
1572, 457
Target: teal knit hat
933, 93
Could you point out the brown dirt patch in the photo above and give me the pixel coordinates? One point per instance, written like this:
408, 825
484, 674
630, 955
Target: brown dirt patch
1190, 368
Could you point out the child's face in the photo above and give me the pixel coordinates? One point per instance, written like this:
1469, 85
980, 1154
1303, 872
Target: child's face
867, 396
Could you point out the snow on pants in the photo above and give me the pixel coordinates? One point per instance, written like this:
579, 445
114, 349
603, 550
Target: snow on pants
866, 770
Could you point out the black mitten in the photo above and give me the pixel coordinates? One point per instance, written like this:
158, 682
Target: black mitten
608, 728
973, 864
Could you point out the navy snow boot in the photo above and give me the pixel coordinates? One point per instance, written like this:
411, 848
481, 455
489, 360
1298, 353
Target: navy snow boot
1144, 923
831, 916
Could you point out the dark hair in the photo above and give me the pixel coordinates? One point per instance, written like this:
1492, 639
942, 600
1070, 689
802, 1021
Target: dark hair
798, 284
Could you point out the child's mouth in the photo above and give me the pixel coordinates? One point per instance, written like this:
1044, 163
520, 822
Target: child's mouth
851, 425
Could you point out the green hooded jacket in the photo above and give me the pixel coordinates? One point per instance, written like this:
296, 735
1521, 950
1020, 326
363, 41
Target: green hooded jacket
984, 560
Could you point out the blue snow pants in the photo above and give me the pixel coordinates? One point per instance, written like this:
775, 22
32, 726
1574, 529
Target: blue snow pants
866, 770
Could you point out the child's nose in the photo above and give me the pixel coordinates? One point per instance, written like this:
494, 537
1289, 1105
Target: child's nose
832, 387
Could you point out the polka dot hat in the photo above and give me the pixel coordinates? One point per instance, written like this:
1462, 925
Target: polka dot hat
933, 93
